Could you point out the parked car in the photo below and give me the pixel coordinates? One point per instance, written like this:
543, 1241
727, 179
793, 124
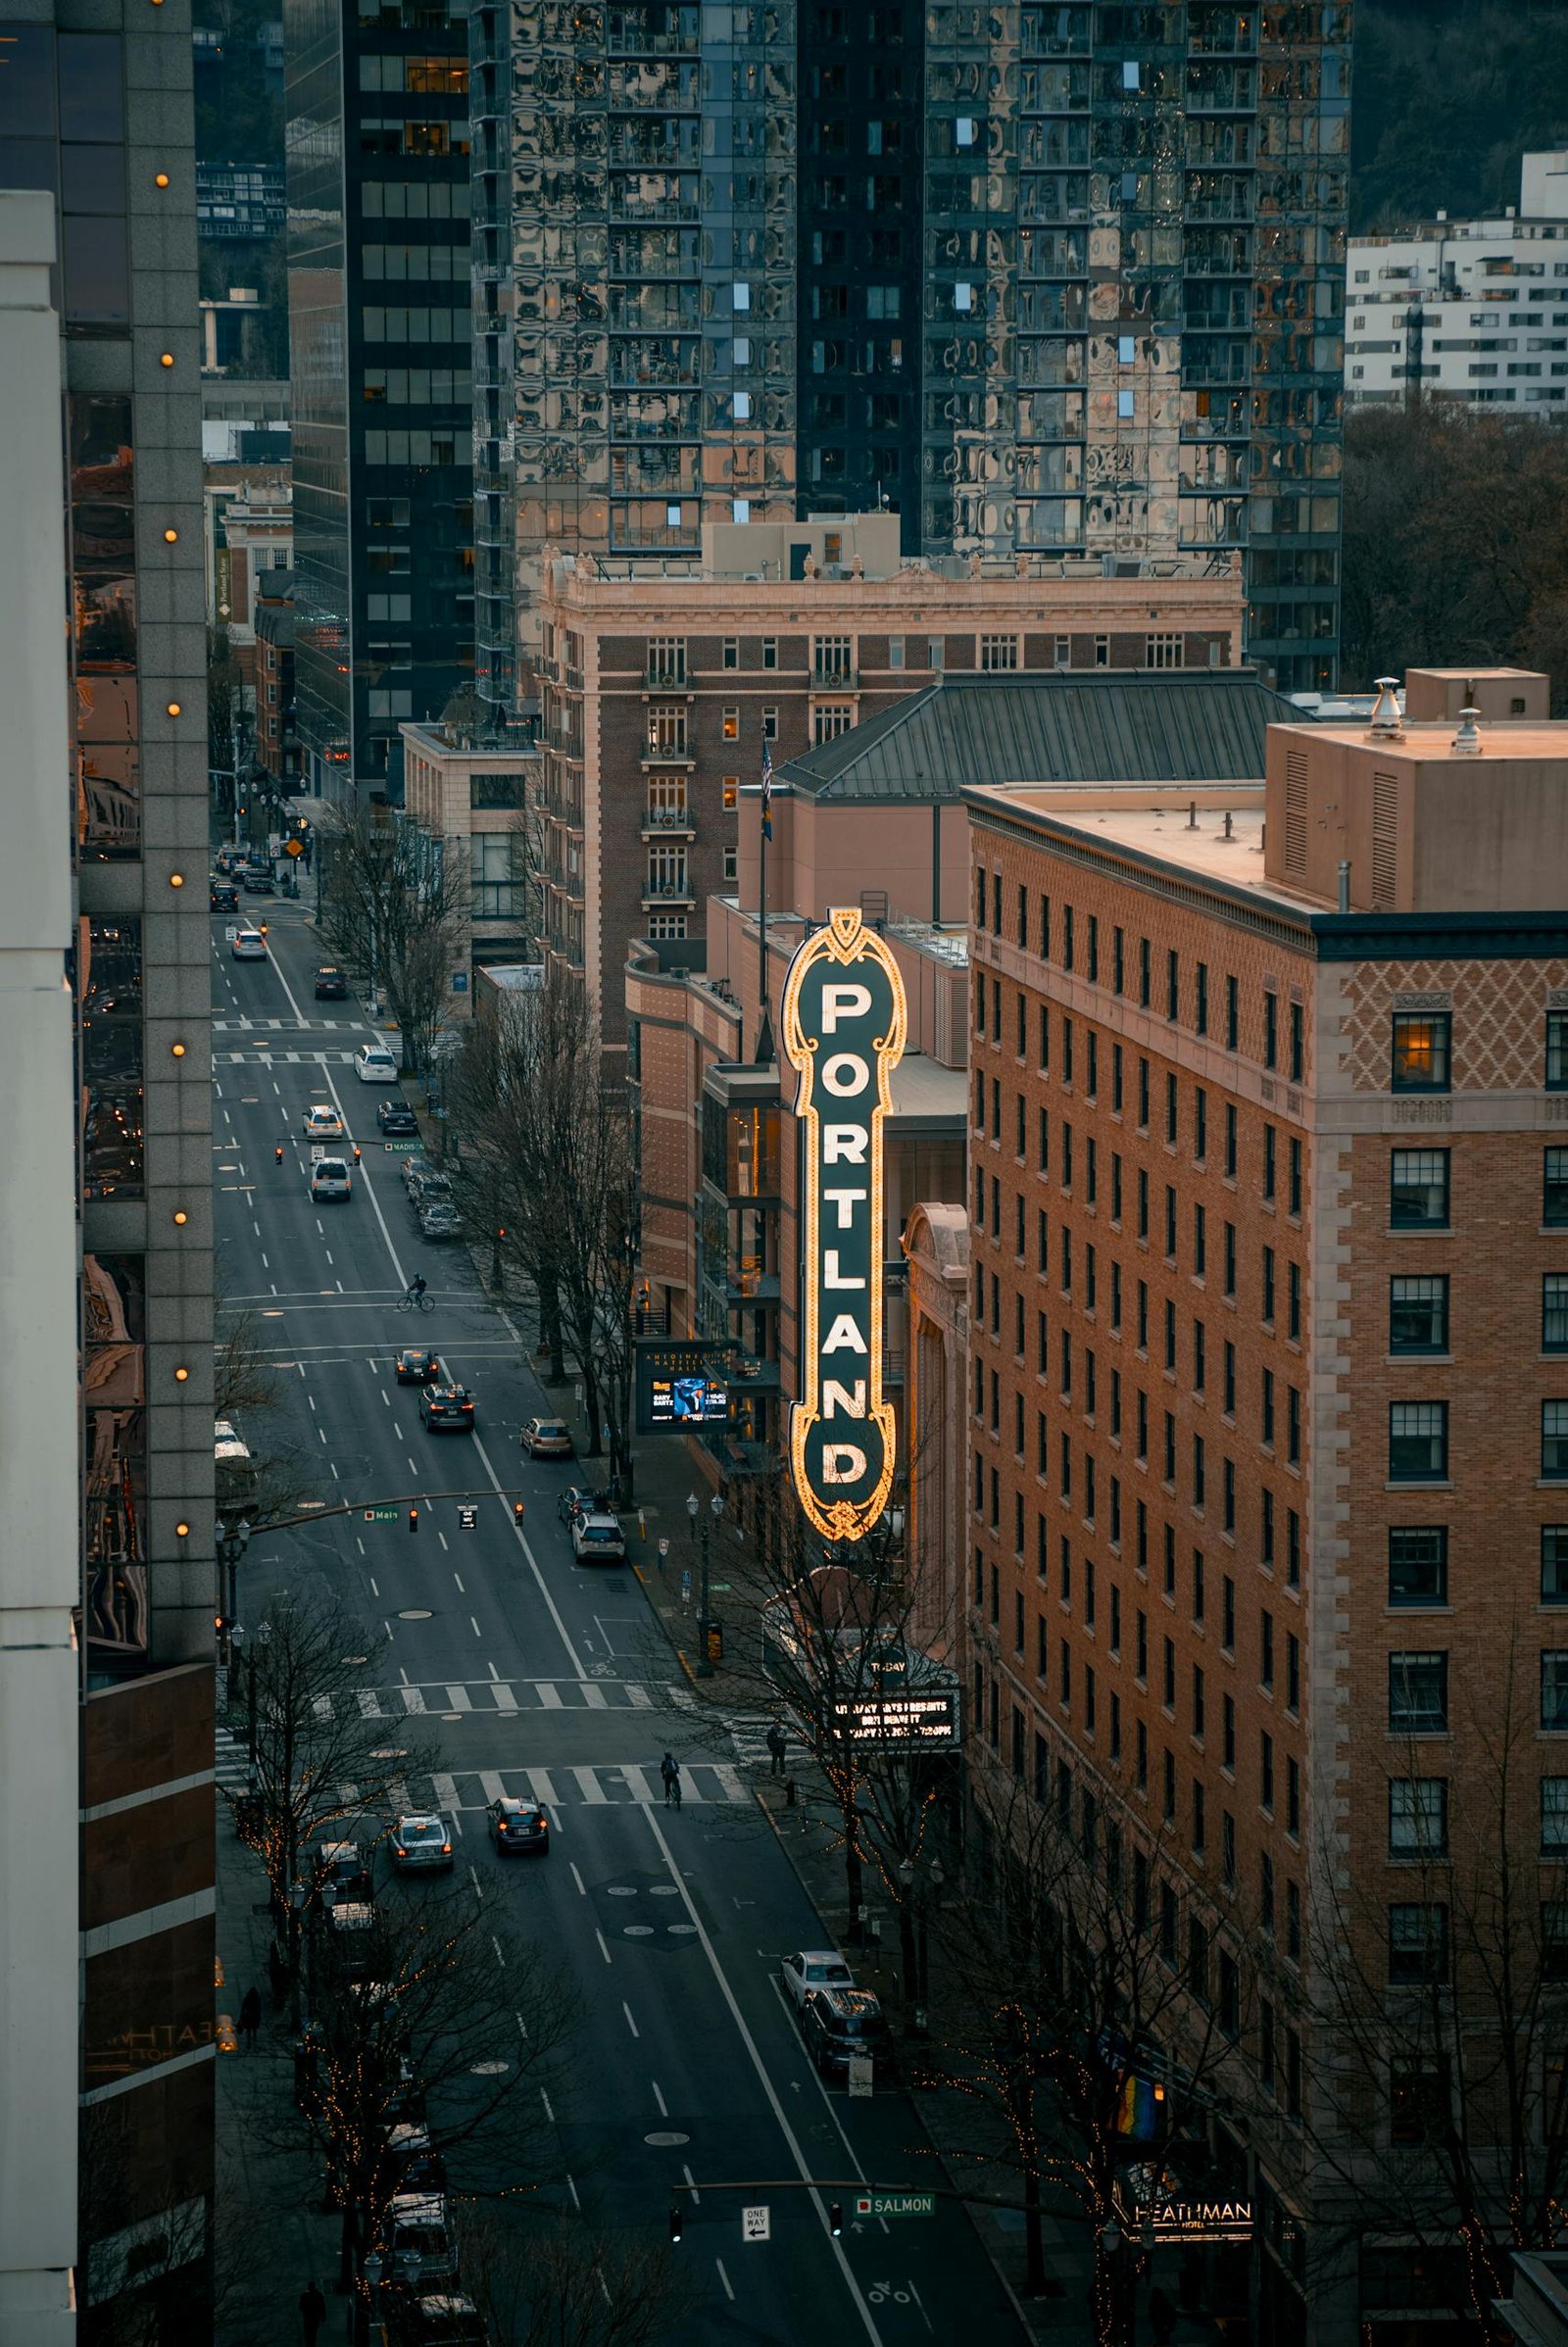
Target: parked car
516, 1826
597, 1538
349, 1923
248, 944
547, 1439
329, 1179
223, 896
332, 983
426, 1183
574, 1500
813, 1968
260, 883
374, 1064
415, 2244
421, 1844
321, 1122
411, 2159
839, 2023
440, 1220
396, 1119
417, 1365
447, 1409
343, 1871
439, 2319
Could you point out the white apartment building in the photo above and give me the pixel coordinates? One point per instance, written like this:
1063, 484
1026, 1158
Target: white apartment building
1471, 310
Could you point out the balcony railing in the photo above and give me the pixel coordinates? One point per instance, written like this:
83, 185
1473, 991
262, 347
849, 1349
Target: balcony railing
664, 893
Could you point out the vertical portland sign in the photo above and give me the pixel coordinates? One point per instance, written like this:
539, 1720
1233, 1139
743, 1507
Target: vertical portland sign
843, 1027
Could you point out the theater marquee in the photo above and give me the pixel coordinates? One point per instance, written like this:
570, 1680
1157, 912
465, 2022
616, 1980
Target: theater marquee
843, 1027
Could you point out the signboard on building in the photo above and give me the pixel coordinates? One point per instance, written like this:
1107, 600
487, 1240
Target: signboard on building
679, 1383
1195, 2222
844, 1026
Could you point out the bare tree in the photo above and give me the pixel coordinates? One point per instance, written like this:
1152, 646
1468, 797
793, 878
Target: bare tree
1441, 1995
277, 1478
1076, 2014
394, 904
317, 1759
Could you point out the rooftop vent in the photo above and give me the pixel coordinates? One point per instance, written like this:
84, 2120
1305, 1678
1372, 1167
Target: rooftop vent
1386, 723
1466, 742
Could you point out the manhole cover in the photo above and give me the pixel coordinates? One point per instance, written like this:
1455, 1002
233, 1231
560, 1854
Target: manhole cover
620, 1890
452, 1715
666, 2139
664, 1890
352, 1661
684, 1929
638, 1931
391, 1752
415, 1613
490, 2069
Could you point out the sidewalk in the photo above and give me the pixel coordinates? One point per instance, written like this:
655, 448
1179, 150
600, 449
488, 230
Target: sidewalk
272, 2234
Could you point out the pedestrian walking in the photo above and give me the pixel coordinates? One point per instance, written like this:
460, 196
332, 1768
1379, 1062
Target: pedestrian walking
669, 1770
777, 1746
250, 2018
312, 2312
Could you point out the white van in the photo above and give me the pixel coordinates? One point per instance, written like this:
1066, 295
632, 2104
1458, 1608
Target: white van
329, 1178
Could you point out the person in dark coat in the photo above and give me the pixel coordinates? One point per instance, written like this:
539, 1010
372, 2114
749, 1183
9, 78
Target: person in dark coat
312, 2312
777, 1746
250, 2018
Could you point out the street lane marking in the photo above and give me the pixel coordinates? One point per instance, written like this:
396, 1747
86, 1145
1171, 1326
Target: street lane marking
577, 1879
459, 1699
638, 1782
505, 1701
593, 1696
724, 2278
412, 1699
593, 1792
631, 2023
663, 2107
543, 1791
550, 1696
803, 2165
446, 1790
491, 1785
370, 1705
603, 1950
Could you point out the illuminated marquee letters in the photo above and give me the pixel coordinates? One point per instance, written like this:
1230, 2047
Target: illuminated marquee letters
844, 1028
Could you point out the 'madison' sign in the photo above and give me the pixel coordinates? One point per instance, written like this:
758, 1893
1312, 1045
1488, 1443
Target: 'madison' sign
843, 1027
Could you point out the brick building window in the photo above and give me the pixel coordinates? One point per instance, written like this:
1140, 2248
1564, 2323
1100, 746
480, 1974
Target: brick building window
830, 719
1555, 1312
1555, 1564
1418, 1564
1419, 1189
1418, 1315
666, 659
1421, 1050
1554, 1817
1418, 1693
1555, 1687
1555, 1441
1554, 1190
1418, 1440
999, 652
1418, 1817
1557, 1050
1162, 652
1418, 1941
1233, 1014
832, 660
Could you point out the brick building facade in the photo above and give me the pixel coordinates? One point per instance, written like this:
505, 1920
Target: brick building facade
1269, 1451
660, 694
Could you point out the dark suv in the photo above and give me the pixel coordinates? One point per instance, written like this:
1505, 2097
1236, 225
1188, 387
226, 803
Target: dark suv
332, 986
837, 2023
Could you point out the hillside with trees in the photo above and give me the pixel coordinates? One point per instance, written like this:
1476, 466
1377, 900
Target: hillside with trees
1446, 96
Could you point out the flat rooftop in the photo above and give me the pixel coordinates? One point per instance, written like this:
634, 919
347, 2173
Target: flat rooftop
1162, 833
1507, 739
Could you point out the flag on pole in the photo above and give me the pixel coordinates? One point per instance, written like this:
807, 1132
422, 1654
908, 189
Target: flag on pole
767, 790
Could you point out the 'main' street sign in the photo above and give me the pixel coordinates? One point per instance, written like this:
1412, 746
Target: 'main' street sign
844, 1026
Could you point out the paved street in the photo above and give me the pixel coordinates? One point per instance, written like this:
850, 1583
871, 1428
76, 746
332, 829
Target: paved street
536, 1675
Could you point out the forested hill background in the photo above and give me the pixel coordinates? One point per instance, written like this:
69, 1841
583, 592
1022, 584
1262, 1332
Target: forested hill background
1446, 96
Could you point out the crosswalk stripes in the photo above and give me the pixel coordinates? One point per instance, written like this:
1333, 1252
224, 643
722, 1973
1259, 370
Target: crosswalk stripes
501, 1695
627, 1784
231, 1759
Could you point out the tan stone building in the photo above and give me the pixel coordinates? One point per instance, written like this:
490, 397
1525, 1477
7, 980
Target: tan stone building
480, 799
661, 693
1267, 1485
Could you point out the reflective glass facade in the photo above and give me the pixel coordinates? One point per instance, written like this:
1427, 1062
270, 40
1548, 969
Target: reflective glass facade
379, 308
1058, 279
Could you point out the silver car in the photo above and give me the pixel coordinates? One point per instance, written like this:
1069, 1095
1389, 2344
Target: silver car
421, 1844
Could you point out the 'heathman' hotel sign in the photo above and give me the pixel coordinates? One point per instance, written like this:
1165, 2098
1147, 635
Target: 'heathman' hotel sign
844, 1024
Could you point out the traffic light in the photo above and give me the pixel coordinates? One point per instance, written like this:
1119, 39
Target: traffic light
676, 2220
835, 2218
516, 1511
413, 1519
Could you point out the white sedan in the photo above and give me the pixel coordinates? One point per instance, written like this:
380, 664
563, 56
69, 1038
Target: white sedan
814, 1967
321, 1122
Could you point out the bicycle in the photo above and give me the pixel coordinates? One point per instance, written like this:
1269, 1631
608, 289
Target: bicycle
419, 1303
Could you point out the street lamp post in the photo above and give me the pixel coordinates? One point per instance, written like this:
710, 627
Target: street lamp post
705, 1665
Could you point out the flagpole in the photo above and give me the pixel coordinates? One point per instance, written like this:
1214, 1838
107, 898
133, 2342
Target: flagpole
764, 1025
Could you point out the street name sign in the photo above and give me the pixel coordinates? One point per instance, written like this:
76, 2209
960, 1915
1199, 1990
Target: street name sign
382, 1515
895, 2203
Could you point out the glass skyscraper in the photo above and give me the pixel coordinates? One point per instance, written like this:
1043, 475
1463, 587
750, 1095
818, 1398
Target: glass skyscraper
379, 203
1060, 279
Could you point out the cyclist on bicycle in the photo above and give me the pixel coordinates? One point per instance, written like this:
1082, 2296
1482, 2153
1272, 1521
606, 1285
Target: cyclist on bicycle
414, 1293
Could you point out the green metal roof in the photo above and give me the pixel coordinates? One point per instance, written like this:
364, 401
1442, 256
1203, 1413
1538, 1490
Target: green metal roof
1060, 726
